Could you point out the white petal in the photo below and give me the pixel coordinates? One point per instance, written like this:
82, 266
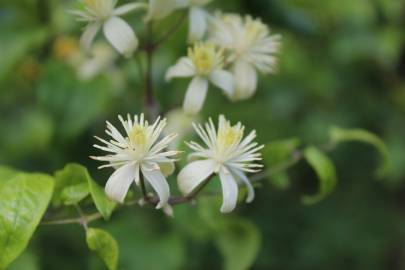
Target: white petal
158, 182
246, 80
88, 35
245, 180
167, 168
194, 174
119, 182
121, 36
197, 25
158, 9
182, 69
195, 95
229, 191
124, 9
224, 80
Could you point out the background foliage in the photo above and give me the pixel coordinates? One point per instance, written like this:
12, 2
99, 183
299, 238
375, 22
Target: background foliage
342, 64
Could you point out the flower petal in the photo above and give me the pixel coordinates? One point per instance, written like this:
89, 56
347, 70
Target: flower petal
167, 168
229, 191
120, 35
242, 176
119, 182
195, 95
197, 24
88, 35
124, 9
182, 69
158, 9
246, 80
194, 174
224, 80
158, 182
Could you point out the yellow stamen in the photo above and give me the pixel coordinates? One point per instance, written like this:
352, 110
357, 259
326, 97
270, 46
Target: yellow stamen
138, 137
229, 135
205, 57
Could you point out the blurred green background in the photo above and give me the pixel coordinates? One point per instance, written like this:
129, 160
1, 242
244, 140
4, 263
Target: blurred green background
342, 63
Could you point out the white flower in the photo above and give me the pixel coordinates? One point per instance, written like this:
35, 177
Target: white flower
198, 18
103, 14
227, 154
204, 63
138, 153
159, 9
250, 46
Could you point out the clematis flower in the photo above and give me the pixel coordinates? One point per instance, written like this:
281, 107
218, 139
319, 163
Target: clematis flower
227, 154
138, 153
205, 64
250, 47
198, 18
159, 9
103, 14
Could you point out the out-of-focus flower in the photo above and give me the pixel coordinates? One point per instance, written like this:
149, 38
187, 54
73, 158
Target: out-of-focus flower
181, 123
103, 14
198, 18
101, 59
65, 47
205, 64
227, 154
138, 153
250, 46
159, 9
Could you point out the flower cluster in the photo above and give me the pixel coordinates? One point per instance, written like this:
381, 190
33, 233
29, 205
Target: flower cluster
226, 51
234, 50
140, 156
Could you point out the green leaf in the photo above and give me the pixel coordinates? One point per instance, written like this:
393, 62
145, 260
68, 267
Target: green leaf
70, 175
104, 205
72, 195
6, 173
239, 243
325, 170
23, 203
75, 176
339, 135
104, 245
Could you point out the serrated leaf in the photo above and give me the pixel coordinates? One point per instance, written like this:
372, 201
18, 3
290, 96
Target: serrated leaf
72, 195
239, 243
339, 135
23, 203
76, 174
325, 171
104, 245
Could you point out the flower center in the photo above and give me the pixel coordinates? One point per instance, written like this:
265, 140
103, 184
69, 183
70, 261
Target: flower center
205, 58
228, 137
138, 138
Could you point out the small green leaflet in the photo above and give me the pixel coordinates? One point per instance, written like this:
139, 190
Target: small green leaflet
239, 242
104, 245
325, 171
339, 135
74, 183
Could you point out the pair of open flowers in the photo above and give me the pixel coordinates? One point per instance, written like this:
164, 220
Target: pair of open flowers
141, 155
